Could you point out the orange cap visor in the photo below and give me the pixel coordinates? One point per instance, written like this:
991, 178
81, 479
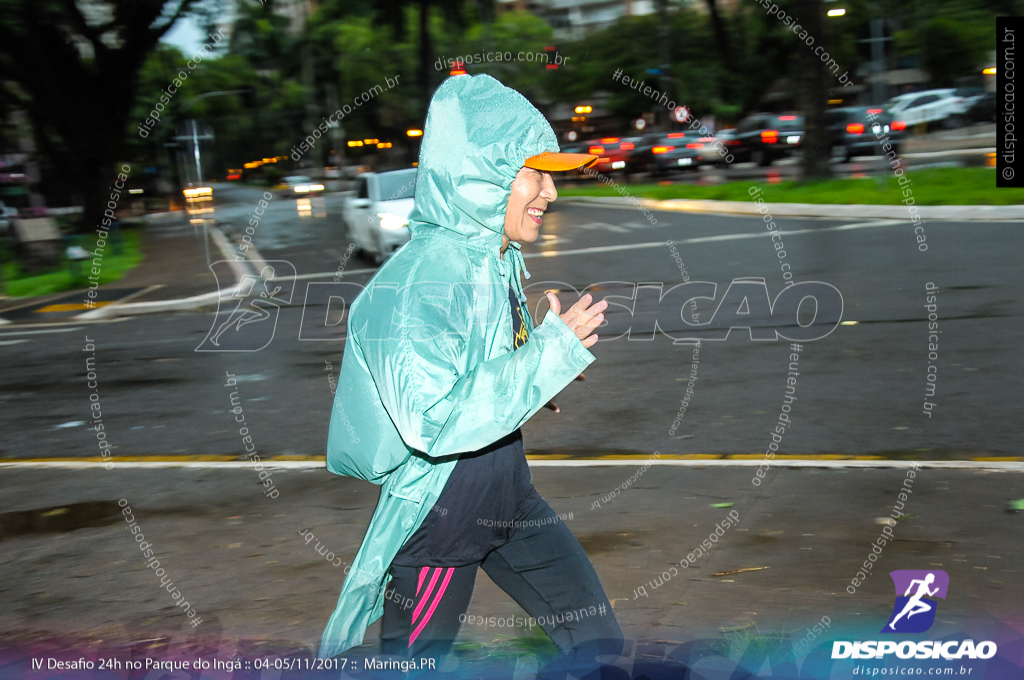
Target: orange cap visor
555, 162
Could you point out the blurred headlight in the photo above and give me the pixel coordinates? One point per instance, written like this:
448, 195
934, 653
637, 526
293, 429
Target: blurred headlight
197, 191
316, 187
389, 221
301, 189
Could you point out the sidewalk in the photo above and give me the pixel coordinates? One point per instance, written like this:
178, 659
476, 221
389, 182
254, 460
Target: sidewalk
174, 267
73, 572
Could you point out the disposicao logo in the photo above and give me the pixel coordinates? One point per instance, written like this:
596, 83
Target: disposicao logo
914, 612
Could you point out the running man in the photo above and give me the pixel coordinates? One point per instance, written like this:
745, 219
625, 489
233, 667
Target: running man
252, 310
914, 604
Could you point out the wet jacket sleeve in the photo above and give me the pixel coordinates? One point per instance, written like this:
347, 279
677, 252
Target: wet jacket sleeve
441, 412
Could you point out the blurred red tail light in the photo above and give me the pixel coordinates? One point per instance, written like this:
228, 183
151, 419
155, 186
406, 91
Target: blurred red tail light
662, 149
626, 146
694, 145
676, 135
855, 128
596, 150
897, 125
610, 140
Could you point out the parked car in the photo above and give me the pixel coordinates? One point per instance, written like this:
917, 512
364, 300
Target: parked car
765, 137
983, 109
377, 215
297, 186
853, 129
931, 106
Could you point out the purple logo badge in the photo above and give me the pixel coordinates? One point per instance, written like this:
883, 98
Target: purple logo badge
915, 609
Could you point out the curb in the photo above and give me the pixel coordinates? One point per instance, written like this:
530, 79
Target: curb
181, 304
983, 213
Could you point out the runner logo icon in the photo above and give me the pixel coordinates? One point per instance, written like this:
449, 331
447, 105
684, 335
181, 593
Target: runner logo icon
914, 611
254, 303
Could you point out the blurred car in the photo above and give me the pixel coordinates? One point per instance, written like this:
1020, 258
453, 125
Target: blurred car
378, 214
969, 95
295, 186
765, 137
722, 144
983, 109
198, 199
930, 106
853, 129
613, 152
665, 152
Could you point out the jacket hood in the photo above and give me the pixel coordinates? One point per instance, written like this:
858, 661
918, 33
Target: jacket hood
477, 136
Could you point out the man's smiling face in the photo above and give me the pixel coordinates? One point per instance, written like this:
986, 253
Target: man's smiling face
532, 190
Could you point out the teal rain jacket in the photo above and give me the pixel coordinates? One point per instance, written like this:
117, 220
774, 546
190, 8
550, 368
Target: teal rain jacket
428, 370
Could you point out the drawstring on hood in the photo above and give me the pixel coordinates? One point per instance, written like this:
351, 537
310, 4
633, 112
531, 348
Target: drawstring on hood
478, 135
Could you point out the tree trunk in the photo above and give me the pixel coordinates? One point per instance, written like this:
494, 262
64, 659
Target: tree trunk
79, 107
724, 49
426, 54
814, 82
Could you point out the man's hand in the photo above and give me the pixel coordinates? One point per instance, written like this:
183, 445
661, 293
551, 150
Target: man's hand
582, 318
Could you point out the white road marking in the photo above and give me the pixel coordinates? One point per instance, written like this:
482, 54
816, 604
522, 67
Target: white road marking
1008, 466
713, 239
47, 330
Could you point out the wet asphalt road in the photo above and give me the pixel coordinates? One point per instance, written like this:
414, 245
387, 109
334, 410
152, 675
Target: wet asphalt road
859, 391
68, 572
240, 560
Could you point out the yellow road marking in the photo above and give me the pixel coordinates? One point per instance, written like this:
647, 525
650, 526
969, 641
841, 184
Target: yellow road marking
70, 307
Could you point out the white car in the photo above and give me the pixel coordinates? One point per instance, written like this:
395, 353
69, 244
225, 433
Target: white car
378, 214
298, 186
928, 107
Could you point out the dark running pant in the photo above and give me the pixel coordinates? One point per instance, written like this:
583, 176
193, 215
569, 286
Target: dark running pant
543, 568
